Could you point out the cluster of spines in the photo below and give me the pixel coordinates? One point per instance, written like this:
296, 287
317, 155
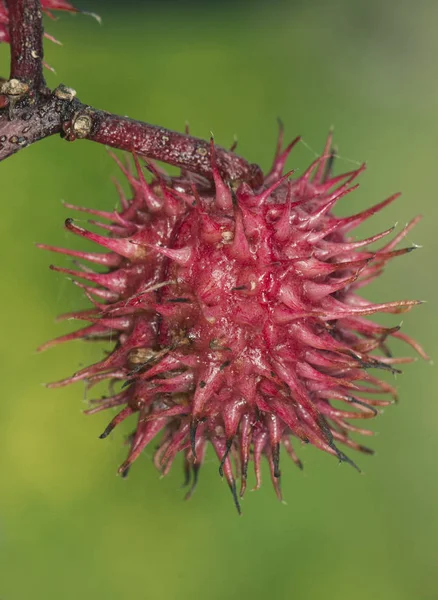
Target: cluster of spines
329, 322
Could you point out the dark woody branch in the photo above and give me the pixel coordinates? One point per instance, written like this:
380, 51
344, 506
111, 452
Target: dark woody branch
30, 112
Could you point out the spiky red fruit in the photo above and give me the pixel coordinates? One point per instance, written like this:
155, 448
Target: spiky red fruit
237, 317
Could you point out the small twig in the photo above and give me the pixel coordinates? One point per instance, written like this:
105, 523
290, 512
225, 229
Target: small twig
178, 149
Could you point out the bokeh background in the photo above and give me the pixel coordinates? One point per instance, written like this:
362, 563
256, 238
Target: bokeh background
69, 527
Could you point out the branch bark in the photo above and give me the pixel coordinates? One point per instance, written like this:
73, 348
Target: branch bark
26, 38
30, 112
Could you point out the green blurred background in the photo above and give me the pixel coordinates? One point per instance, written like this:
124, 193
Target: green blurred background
69, 528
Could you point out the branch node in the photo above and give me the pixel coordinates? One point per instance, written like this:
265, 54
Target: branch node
65, 93
79, 126
14, 90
